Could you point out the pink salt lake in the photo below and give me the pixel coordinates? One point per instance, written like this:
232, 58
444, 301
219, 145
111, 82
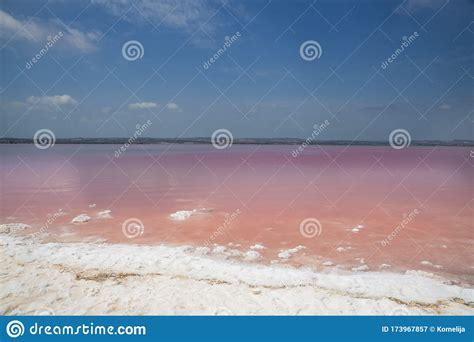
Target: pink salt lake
248, 194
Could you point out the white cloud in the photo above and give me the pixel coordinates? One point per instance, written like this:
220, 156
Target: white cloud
51, 102
445, 106
37, 31
415, 5
173, 106
142, 105
9, 26
106, 110
187, 15
83, 41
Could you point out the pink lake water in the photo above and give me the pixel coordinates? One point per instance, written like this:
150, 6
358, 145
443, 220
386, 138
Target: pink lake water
248, 194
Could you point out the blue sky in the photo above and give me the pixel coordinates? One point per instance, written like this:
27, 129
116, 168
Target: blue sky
260, 86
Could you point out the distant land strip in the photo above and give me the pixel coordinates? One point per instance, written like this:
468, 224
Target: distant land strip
239, 141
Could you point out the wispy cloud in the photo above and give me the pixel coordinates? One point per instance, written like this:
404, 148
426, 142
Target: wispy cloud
416, 5
445, 106
49, 102
191, 16
106, 110
173, 106
36, 31
142, 105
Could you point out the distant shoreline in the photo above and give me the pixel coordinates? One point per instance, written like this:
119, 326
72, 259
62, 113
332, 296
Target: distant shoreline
240, 141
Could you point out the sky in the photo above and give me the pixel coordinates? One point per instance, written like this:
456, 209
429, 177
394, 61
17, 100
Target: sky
191, 67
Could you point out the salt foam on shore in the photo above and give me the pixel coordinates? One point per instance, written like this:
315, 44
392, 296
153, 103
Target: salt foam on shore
83, 218
101, 278
182, 215
105, 214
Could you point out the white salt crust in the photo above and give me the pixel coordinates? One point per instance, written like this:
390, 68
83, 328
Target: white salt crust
120, 279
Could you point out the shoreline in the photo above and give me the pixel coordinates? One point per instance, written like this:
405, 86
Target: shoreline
95, 278
236, 141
